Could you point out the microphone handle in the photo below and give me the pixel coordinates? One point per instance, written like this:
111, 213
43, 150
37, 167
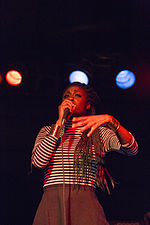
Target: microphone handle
65, 116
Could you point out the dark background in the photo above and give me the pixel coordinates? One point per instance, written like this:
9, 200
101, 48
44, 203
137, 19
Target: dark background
45, 40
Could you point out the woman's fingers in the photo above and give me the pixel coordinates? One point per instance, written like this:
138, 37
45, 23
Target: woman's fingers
89, 122
93, 128
80, 118
67, 104
79, 124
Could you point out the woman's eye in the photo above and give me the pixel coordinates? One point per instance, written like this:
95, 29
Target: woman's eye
78, 95
66, 96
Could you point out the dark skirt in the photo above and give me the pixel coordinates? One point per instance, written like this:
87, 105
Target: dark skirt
69, 206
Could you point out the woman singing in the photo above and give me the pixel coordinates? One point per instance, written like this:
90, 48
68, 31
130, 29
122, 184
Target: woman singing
71, 152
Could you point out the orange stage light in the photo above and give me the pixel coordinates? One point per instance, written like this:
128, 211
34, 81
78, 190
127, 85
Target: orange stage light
13, 77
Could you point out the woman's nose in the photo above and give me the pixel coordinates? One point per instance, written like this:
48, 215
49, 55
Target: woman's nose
71, 98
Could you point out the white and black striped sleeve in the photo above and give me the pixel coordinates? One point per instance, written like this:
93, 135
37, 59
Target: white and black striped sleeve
44, 147
112, 143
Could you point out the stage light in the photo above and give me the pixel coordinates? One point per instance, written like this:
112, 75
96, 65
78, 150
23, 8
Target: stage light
125, 79
13, 77
1, 79
78, 76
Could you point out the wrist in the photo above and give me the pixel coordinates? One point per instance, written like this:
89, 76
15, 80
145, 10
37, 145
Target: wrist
114, 124
55, 130
58, 122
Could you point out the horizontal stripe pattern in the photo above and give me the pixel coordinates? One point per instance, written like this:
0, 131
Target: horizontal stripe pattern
55, 155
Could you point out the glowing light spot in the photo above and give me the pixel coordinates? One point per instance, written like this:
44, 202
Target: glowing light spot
125, 79
1, 79
78, 76
13, 77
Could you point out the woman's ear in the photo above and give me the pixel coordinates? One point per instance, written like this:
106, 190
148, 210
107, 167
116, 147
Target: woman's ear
88, 106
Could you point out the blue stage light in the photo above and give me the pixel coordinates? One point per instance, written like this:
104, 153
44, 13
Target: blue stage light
125, 79
78, 76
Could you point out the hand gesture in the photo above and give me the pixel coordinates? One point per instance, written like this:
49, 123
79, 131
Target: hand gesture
90, 122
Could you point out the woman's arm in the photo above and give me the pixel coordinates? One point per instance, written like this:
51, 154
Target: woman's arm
47, 138
44, 147
94, 121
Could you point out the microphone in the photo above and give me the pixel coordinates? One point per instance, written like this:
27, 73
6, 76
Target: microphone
65, 116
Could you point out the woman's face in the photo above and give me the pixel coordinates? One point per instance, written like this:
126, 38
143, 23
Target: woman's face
79, 98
